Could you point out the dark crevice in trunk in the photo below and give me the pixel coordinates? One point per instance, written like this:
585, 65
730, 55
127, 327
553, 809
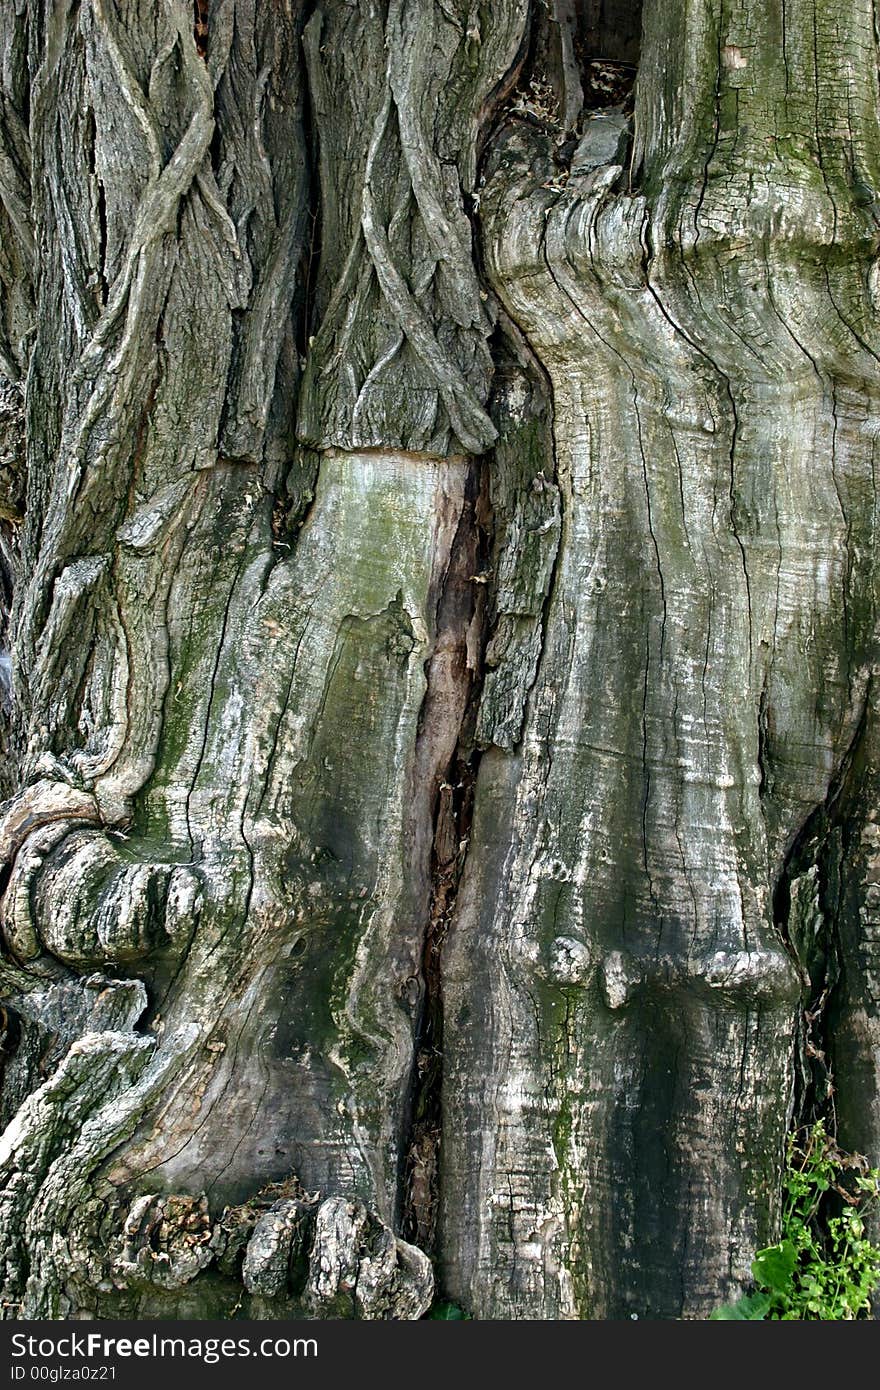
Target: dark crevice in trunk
294, 499
606, 39
306, 278
511, 93
824, 861
763, 741
583, 58
303, 307
294, 504
455, 677
606, 28
496, 102
422, 1153
817, 964
10, 1039
200, 26
102, 243
99, 281
807, 903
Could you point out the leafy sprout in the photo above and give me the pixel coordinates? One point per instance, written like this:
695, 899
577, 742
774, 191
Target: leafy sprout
825, 1266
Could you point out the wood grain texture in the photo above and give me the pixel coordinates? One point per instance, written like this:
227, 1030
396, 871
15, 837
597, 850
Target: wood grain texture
439, 648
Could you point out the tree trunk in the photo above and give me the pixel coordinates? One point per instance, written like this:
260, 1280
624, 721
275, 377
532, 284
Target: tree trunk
438, 507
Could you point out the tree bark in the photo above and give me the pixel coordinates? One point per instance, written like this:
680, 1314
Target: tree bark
438, 506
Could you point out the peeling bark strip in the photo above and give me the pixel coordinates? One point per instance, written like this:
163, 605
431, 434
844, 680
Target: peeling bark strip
437, 532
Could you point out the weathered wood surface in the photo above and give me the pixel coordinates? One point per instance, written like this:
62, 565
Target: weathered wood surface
438, 519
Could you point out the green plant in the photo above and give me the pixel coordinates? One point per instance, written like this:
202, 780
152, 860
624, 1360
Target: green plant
447, 1312
824, 1267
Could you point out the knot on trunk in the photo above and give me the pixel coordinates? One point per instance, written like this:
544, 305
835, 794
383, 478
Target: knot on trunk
358, 1267
765, 974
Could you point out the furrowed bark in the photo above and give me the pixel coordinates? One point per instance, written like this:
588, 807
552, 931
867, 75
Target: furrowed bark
439, 648
698, 296
240, 679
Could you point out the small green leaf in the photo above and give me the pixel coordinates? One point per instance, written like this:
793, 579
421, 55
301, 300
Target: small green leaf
752, 1308
773, 1267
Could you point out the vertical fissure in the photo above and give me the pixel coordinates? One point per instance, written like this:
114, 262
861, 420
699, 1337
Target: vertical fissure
200, 26
423, 1150
807, 904
304, 302
448, 756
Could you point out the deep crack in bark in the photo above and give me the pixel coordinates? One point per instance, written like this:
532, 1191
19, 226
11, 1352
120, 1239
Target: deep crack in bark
457, 666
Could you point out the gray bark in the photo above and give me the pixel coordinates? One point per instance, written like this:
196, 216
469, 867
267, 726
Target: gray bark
438, 505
